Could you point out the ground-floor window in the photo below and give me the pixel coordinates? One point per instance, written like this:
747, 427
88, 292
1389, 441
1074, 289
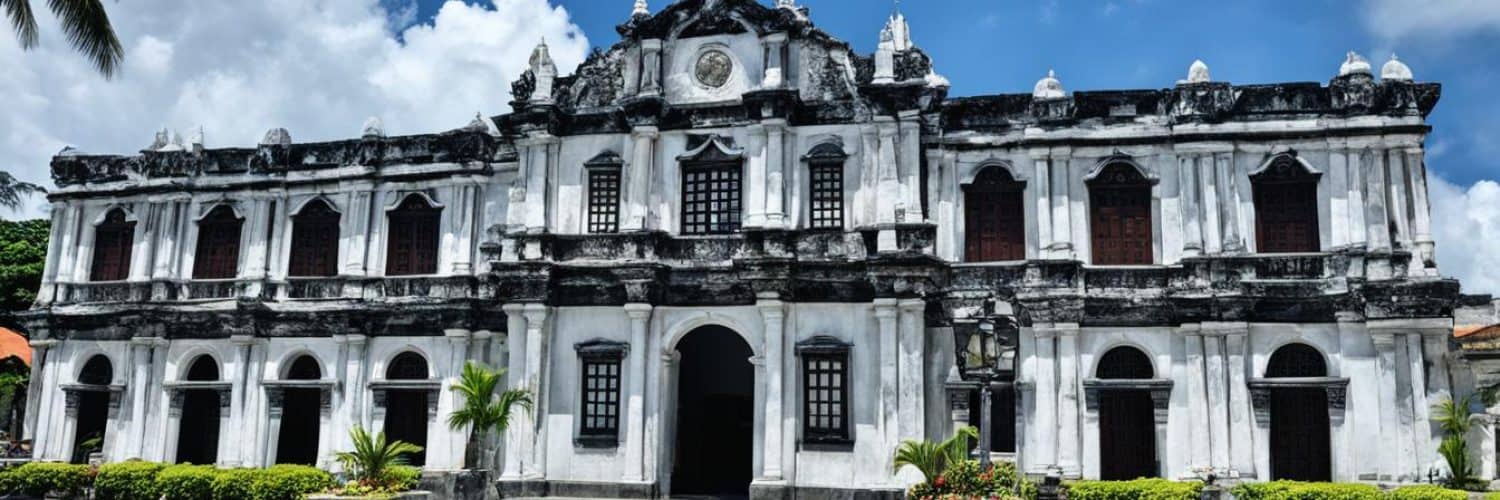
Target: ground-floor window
825, 390
1002, 417
599, 361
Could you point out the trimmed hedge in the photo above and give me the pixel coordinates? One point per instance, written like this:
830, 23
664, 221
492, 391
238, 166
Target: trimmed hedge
402, 477
37, 479
132, 480
1296, 490
1426, 493
187, 482
280, 482
1139, 489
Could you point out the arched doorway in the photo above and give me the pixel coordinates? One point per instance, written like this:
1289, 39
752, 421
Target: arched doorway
1299, 417
93, 407
994, 217
297, 442
1127, 418
406, 409
198, 434
714, 450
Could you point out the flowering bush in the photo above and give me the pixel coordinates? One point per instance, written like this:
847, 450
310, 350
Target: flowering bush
965, 479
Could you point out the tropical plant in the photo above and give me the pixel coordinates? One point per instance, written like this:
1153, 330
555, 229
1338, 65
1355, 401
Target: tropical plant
372, 455
930, 458
13, 190
85, 23
483, 411
1453, 418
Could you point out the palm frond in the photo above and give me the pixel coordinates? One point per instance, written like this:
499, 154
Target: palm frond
22, 20
87, 27
509, 400
372, 455
12, 190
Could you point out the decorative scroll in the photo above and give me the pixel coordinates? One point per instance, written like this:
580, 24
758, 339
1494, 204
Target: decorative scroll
1260, 399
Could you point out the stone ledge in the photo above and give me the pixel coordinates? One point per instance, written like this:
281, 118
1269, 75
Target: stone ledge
541, 488
791, 492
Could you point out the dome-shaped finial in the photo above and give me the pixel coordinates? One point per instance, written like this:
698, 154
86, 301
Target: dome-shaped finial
1354, 63
373, 127
1049, 87
1198, 72
277, 137
640, 9
1395, 70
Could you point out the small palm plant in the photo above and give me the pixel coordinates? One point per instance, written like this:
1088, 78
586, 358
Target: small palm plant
373, 456
483, 410
1453, 417
930, 458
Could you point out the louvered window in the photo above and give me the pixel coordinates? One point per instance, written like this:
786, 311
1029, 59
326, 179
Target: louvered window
994, 217
113, 239
218, 253
1121, 216
315, 241
1286, 208
414, 232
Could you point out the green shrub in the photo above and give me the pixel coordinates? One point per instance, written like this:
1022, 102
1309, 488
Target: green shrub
291, 482
1426, 493
39, 478
133, 480
1492, 496
1139, 489
966, 479
402, 478
1295, 490
187, 482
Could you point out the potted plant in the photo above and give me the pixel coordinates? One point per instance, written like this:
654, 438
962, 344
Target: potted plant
485, 409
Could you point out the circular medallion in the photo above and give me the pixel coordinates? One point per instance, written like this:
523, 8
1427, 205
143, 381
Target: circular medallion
713, 68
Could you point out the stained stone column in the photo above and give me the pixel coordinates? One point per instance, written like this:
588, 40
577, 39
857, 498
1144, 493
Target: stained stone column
1426, 450
1062, 187
1210, 203
1359, 236
236, 370
38, 393
638, 178
1218, 397
1421, 211
888, 197
911, 163
755, 176
1046, 454
635, 399
885, 314
776, 213
1338, 194
465, 210
1385, 346
774, 76
1197, 399
1397, 179
1376, 217
140, 377
1241, 417
651, 67
913, 339
1042, 186
1187, 188
1229, 205
517, 436
1068, 400
356, 232
448, 400
536, 360
773, 313
354, 387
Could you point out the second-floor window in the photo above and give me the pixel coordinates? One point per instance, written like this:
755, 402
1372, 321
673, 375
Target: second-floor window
994, 217
414, 233
825, 168
315, 241
604, 193
217, 255
113, 239
711, 198
1286, 207
1120, 216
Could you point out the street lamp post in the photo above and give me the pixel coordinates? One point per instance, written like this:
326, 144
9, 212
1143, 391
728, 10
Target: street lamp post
986, 352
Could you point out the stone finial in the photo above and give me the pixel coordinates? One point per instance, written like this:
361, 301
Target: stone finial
1049, 87
900, 32
1197, 73
640, 9
478, 123
161, 140
195, 140
786, 4
277, 137
545, 71
1354, 63
1395, 70
885, 56
372, 128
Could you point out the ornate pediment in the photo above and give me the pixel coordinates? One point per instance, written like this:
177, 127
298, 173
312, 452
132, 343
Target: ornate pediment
711, 149
694, 18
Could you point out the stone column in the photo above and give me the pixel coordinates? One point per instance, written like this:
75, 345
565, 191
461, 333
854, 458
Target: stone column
776, 212
773, 313
1421, 211
1187, 189
1218, 397
885, 314
1397, 179
536, 370
35, 389
517, 436
1385, 345
448, 400
237, 368
1068, 400
536, 165
911, 166
1197, 398
1043, 188
140, 355
356, 232
1376, 217
889, 194
354, 386
1210, 203
1405, 410
635, 399
1229, 205
1422, 438
912, 355
1338, 194
465, 209
755, 176
1062, 226
1358, 234
1241, 416
773, 45
1045, 456
651, 67
638, 178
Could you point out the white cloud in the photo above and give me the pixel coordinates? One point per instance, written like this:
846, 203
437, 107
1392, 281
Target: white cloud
1465, 225
1407, 19
316, 67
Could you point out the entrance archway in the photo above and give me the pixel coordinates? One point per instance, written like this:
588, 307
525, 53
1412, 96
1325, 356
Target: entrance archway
714, 450
93, 407
1127, 418
198, 435
297, 442
406, 409
1299, 417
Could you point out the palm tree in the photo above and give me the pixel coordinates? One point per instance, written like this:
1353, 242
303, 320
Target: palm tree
1453, 417
373, 455
85, 23
933, 458
482, 409
12, 190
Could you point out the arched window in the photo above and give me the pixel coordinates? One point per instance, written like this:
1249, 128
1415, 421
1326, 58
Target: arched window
218, 253
994, 217
1125, 363
315, 241
1296, 360
1120, 218
203, 369
413, 246
97, 371
1286, 207
305, 367
112, 242
407, 366
1300, 431
198, 428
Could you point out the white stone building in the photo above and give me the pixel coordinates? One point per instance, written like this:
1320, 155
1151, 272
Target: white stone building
729, 253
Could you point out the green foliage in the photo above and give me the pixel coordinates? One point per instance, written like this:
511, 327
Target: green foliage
930, 458
235, 484
373, 455
280, 482
1295, 490
966, 479
1139, 489
400, 478
1453, 417
187, 482
1492, 496
481, 408
84, 23
23, 253
39, 478
134, 480
1426, 493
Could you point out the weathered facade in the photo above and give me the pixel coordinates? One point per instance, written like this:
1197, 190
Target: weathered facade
729, 252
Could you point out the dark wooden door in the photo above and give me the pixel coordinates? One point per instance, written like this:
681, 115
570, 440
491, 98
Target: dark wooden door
218, 253
406, 420
112, 242
198, 434
1121, 224
1127, 435
414, 236
297, 442
1286, 217
93, 420
315, 239
1299, 435
994, 225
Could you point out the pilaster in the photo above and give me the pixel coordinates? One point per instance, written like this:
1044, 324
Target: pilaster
773, 314
1045, 456
1385, 347
1201, 447
1187, 188
775, 189
635, 399
518, 435
911, 167
1068, 401
536, 358
885, 315
1042, 187
912, 355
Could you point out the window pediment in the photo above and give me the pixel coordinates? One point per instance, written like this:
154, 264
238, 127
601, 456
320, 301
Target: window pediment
1285, 167
602, 350
711, 149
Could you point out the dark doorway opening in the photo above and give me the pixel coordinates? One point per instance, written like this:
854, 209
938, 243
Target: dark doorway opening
198, 436
93, 407
1002, 417
715, 420
406, 409
297, 442
1127, 418
1300, 447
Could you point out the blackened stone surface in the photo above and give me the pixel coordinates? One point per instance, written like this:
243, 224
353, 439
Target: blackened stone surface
778, 492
